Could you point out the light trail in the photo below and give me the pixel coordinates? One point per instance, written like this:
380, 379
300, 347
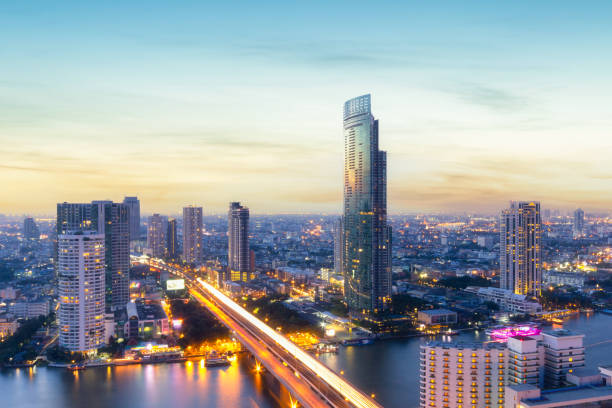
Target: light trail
345, 389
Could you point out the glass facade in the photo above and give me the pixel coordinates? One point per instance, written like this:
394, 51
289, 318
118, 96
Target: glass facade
367, 254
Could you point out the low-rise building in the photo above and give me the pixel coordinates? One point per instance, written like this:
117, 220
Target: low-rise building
437, 316
29, 310
506, 299
7, 327
146, 320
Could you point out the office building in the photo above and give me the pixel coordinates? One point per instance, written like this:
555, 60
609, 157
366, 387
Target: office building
81, 287
338, 246
172, 250
133, 204
30, 229
367, 237
238, 252
520, 258
112, 220
563, 353
192, 235
29, 309
525, 360
462, 375
578, 223
156, 235
146, 320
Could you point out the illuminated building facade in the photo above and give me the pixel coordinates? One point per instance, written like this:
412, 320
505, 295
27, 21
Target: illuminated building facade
133, 204
81, 284
238, 252
520, 258
338, 247
366, 235
455, 375
156, 235
112, 220
192, 235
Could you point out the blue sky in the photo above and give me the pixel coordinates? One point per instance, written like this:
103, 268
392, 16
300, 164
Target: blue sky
190, 102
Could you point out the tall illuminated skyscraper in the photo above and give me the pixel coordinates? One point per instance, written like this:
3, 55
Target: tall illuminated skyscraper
367, 237
134, 207
238, 252
81, 287
520, 260
156, 235
192, 234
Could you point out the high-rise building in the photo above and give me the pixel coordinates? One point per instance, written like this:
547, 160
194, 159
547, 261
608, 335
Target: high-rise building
81, 284
192, 234
563, 353
520, 260
171, 240
238, 252
112, 220
454, 375
578, 223
367, 237
134, 208
156, 235
30, 229
338, 246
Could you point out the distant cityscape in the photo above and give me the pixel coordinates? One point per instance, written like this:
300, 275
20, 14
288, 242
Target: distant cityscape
97, 284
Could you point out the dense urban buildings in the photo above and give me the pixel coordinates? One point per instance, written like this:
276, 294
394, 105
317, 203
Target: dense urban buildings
366, 234
192, 234
156, 235
238, 250
112, 220
520, 260
133, 204
81, 287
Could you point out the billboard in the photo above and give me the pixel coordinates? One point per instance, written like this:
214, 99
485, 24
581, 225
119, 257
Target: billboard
175, 284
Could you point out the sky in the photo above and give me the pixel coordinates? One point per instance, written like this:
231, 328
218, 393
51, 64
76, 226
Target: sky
204, 103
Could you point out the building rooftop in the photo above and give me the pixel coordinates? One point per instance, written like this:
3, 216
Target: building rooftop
463, 346
436, 312
561, 333
567, 397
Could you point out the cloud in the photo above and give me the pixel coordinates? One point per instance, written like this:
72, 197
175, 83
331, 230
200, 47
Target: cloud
496, 99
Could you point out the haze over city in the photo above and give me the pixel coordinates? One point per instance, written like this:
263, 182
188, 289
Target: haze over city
205, 103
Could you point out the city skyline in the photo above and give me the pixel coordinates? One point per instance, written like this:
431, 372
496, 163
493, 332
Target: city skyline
182, 120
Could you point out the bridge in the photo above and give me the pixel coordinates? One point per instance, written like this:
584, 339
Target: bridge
308, 380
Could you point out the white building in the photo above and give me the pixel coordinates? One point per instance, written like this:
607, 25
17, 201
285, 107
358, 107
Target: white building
563, 353
81, 284
462, 375
506, 299
29, 310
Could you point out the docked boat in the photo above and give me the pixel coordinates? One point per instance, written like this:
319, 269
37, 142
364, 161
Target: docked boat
76, 367
214, 359
357, 342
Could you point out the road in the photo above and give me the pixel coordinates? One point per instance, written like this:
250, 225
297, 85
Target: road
311, 382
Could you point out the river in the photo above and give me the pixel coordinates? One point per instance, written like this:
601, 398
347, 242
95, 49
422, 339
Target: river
389, 369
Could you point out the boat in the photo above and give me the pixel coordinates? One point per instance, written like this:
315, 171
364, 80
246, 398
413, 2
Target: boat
214, 359
76, 367
357, 342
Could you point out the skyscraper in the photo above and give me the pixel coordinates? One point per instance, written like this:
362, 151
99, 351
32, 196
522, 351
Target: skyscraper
171, 240
134, 207
238, 252
578, 223
30, 229
520, 260
192, 234
156, 235
81, 283
112, 220
367, 237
